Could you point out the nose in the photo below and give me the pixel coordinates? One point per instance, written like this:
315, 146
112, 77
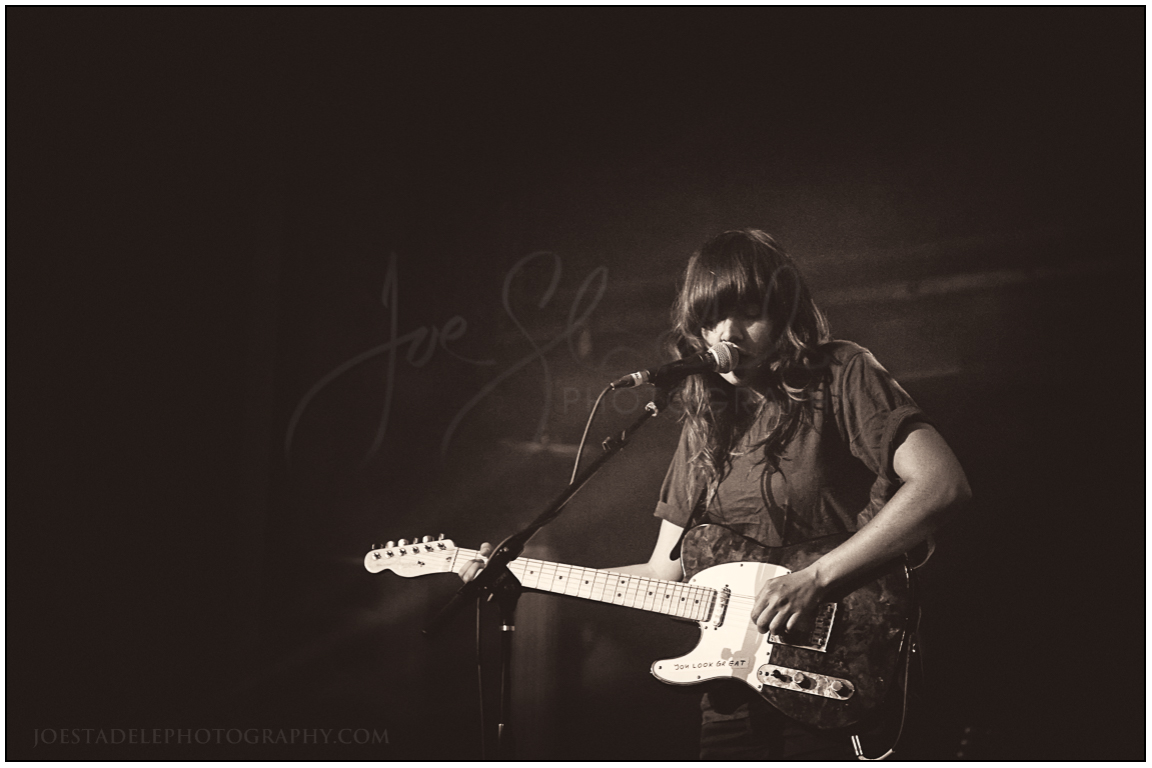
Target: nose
730, 328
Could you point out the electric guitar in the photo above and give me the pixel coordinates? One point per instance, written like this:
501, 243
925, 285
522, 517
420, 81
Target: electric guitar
829, 675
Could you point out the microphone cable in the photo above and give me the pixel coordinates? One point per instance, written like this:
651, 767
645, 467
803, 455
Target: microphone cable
584, 437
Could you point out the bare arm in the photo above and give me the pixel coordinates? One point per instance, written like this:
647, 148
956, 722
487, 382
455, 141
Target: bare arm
934, 487
659, 565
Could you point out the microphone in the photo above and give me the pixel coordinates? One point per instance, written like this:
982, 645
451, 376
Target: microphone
722, 358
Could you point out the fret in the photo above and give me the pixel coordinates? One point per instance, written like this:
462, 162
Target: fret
650, 597
563, 579
560, 578
618, 588
704, 604
576, 576
632, 593
586, 583
659, 589
636, 591
665, 593
683, 606
621, 585
646, 594
677, 601
532, 575
548, 576
603, 582
693, 607
464, 555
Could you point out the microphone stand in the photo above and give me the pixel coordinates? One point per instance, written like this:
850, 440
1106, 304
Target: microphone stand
496, 581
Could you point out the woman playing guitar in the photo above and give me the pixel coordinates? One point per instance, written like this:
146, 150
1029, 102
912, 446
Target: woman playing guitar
807, 437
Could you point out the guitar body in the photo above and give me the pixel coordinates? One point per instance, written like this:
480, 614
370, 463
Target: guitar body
829, 676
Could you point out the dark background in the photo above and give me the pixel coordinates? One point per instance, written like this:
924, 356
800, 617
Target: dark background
206, 432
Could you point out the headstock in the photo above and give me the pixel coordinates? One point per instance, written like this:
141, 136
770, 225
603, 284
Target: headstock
415, 559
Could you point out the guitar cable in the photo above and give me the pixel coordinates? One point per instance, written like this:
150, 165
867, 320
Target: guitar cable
908, 645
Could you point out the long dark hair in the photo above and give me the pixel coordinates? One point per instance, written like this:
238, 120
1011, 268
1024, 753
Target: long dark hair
729, 272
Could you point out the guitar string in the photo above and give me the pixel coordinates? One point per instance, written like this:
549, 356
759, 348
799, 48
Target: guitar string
544, 565
631, 596
733, 599
599, 585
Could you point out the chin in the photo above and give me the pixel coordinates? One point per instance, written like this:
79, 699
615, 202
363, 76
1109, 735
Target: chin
739, 379
750, 377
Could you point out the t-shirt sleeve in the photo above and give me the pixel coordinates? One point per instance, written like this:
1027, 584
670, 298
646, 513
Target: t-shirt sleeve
681, 489
871, 410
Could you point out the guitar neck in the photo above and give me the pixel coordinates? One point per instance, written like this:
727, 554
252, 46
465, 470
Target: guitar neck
672, 598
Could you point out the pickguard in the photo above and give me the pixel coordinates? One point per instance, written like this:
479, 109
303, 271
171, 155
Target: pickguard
730, 645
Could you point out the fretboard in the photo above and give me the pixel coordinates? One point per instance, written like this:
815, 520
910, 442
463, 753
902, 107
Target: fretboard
673, 598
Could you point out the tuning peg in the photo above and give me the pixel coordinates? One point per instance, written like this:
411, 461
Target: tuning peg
372, 547
441, 538
427, 539
390, 545
403, 542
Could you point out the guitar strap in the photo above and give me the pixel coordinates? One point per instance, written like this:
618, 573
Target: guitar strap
697, 515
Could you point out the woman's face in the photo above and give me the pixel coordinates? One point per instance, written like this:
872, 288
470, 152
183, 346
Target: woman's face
749, 328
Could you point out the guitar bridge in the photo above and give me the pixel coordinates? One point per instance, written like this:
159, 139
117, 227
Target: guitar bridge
815, 639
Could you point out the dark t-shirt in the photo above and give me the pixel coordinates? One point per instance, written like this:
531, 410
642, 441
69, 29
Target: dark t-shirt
835, 473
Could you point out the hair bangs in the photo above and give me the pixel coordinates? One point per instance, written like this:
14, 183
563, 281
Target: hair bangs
721, 285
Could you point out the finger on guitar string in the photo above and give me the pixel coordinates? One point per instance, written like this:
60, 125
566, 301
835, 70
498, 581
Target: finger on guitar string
474, 567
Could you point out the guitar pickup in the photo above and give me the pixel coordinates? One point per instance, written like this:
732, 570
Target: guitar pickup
805, 682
